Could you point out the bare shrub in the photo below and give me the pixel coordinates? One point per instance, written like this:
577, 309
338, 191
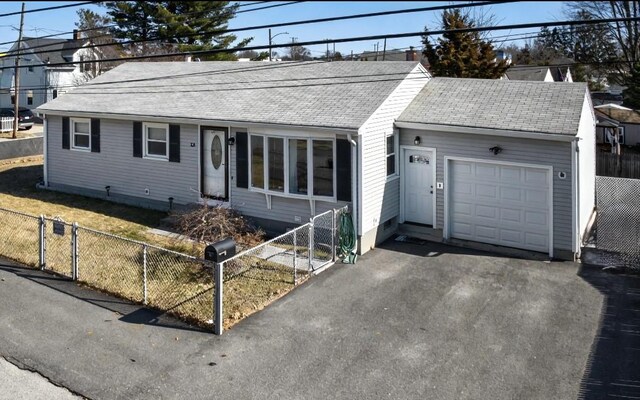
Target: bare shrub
214, 223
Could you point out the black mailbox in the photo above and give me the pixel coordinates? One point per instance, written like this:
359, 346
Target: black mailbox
220, 251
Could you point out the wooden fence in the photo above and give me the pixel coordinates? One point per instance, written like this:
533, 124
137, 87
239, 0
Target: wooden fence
623, 166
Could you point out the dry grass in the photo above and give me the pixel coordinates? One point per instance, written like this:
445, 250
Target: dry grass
19, 135
18, 179
175, 283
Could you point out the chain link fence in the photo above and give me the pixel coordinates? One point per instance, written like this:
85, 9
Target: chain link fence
177, 283
58, 247
618, 220
20, 237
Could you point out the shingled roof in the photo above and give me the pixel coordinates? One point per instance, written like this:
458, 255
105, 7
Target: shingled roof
542, 107
53, 50
320, 94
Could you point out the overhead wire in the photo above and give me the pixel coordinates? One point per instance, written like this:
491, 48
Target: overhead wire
300, 22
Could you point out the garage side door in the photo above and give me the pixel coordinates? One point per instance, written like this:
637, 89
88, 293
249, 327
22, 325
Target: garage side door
504, 205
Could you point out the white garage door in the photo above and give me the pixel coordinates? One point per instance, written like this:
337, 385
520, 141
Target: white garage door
506, 205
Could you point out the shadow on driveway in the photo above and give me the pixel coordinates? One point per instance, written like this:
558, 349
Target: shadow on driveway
131, 313
613, 369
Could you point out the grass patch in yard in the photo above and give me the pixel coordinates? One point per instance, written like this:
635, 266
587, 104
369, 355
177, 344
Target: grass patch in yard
18, 179
175, 283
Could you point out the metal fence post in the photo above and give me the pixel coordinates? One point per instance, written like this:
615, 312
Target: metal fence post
42, 248
217, 299
295, 253
333, 235
144, 274
74, 251
311, 244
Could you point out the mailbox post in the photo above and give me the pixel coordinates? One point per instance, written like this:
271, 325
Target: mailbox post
218, 253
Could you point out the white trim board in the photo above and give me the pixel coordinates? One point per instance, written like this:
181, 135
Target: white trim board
485, 131
196, 121
433, 152
445, 231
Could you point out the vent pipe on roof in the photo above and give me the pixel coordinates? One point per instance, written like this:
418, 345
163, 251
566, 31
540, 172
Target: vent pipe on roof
76, 35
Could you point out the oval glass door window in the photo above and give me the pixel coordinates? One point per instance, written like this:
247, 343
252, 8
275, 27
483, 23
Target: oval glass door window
216, 152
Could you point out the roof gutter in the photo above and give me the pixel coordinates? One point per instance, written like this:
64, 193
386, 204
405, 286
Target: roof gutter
486, 131
194, 121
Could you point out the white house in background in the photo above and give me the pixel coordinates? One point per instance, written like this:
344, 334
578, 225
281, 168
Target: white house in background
488, 161
44, 78
538, 73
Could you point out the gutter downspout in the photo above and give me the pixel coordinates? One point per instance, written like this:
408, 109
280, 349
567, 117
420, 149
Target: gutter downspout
354, 185
45, 134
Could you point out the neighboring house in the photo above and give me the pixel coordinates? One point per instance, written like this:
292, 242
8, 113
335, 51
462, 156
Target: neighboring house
497, 162
40, 82
604, 98
285, 141
393, 55
279, 142
626, 120
538, 73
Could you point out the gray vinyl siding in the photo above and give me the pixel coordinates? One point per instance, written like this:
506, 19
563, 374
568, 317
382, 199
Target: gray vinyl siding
525, 151
380, 195
254, 204
115, 165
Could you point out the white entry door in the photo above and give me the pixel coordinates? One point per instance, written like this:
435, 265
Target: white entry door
503, 204
214, 164
418, 186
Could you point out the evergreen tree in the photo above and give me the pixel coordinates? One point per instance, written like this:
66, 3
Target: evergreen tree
178, 25
461, 55
631, 95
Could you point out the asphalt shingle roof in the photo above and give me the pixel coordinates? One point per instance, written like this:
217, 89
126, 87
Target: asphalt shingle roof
543, 107
324, 94
527, 73
52, 50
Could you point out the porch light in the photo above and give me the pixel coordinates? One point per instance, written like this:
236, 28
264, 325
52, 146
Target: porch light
231, 141
495, 149
417, 140
107, 188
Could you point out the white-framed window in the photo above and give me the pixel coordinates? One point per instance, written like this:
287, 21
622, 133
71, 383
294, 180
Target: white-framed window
81, 134
156, 141
392, 151
293, 166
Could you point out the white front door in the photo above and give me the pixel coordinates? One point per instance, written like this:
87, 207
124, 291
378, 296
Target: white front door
418, 186
214, 164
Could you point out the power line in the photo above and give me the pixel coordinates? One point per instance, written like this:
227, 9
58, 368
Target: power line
49, 8
358, 39
272, 6
62, 33
300, 22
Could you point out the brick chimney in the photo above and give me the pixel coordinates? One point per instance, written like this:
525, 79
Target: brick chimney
76, 35
411, 54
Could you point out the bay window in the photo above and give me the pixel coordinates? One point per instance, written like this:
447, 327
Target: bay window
293, 167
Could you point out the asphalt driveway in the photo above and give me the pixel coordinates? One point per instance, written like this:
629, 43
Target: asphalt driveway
407, 321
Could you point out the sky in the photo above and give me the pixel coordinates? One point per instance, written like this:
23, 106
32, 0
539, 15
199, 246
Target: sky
63, 20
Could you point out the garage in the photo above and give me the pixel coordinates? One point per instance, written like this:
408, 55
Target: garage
506, 204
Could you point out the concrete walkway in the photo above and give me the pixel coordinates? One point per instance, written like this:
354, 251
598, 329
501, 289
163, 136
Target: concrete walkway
405, 322
18, 384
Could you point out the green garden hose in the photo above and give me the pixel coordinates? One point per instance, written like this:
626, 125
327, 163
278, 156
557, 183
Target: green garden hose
347, 239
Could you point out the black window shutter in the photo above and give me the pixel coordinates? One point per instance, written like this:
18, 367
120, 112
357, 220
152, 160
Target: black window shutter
95, 135
242, 160
343, 154
65, 133
174, 143
137, 139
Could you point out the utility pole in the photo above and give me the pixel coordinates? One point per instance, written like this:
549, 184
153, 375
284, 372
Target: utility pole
16, 97
293, 48
327, 49
269, 44
384, 49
